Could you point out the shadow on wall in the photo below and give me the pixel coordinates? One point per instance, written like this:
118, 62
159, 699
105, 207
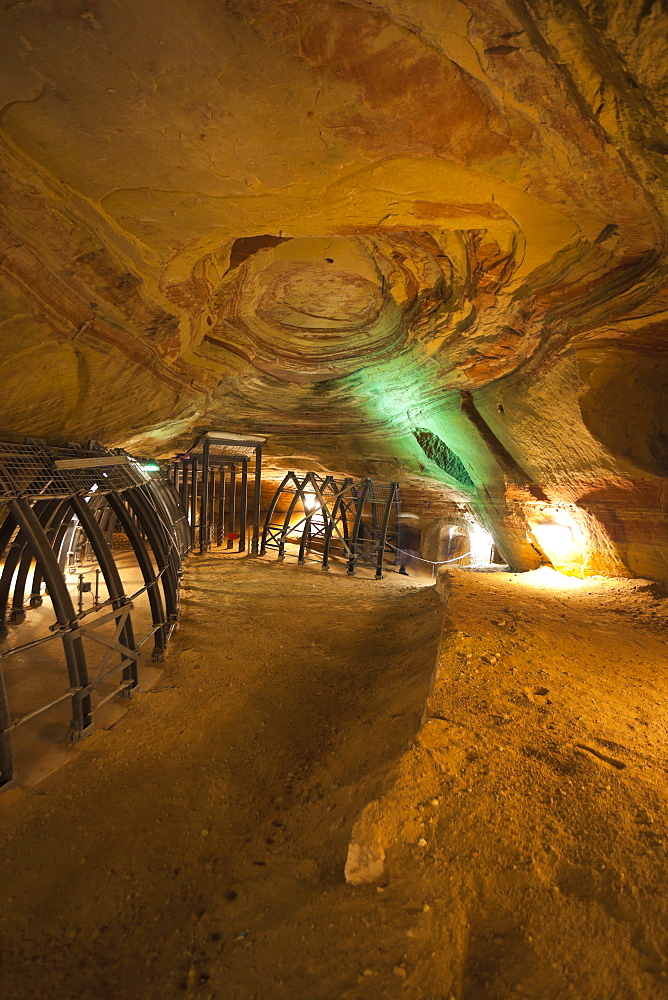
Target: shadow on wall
623, 404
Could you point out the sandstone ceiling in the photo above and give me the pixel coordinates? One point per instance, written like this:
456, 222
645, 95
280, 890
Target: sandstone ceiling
418, 239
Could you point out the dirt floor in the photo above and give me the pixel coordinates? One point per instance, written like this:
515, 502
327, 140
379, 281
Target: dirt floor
514, 844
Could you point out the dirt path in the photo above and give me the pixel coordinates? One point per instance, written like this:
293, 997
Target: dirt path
198, 848
188, 850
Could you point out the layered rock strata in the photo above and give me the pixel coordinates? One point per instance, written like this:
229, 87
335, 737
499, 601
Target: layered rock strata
417, 239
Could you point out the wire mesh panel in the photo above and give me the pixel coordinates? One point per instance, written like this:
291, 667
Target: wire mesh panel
38, 470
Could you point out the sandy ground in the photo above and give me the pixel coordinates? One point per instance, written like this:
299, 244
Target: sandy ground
516, 844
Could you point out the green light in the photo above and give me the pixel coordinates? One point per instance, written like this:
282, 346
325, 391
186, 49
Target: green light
151, 467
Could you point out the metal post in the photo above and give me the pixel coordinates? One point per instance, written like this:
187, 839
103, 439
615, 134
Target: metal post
204, 500
243, 512
232, 508
212, 509
45, 516
338, 510
257, 499
184, 485
221, 509
383, 531
6, 752
357, 527
193, 501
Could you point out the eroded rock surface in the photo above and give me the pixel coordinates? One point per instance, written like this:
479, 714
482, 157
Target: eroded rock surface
351, 225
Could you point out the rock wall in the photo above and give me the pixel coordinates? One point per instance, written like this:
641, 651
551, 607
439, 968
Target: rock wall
416, 239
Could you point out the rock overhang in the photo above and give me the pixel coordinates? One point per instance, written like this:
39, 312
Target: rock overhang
331, 220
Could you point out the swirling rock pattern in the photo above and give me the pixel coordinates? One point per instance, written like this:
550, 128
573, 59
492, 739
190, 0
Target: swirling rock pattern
345, 223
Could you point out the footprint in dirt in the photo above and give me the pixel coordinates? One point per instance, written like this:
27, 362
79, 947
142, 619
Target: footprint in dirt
538, 695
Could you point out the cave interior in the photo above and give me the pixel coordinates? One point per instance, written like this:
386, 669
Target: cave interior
371, 287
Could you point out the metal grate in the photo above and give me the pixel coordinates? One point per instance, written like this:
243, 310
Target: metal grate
37, 470
231, 451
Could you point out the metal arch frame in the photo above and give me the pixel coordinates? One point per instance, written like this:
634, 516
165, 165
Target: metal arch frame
7, 530
349, 498
65, 614
41, 505
168, 499
17, 613
275, 535
13, 558
357, 525
390, 503
158, 503
114, 585
306, 532
290, 477
107, 522
145, 514
339, 509
158, 513
300, 493
57, 522
150, 577
170, 514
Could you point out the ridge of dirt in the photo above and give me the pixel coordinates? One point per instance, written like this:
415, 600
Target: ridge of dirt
529, 822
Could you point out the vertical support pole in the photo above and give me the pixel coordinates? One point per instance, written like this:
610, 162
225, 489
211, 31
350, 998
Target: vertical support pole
64, 611
357, 528
243, 510
232, 513
193, 500
212, 508
6, 752
112, 579
204, 501
339, 510
256, 500
221, 508
397, 557
184, 485
383, 530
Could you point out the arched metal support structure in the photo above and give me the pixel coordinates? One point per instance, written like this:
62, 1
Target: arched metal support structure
49, 493
356, 522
